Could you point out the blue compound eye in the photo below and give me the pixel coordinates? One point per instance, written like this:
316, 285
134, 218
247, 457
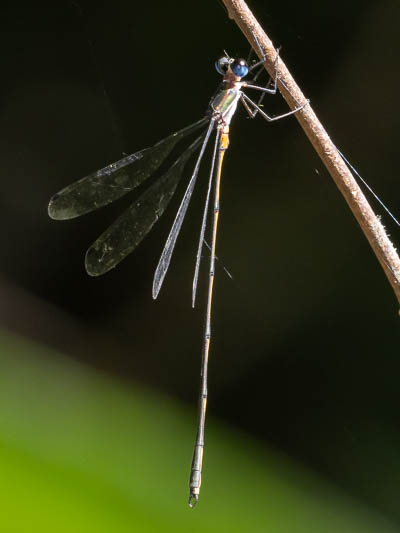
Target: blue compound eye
240, 68
222, 65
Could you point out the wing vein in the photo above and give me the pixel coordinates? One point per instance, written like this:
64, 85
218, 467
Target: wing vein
165, 258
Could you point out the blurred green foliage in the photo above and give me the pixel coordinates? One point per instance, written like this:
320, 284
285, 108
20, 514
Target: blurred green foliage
81, 452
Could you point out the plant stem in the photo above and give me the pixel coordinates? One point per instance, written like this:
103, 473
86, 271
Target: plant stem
327, 151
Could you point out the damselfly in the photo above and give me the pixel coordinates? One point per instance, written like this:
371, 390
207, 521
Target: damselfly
122, 237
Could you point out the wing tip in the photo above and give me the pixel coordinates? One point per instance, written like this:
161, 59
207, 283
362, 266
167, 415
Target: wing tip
92, 266
51, 208
57, 211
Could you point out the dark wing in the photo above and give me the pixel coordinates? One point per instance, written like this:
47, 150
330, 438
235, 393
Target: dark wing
115, 180
122, 237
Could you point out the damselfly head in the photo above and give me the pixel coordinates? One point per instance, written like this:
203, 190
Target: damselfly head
239, 67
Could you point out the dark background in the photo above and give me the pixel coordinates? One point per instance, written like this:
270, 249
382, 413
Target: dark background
305, 340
